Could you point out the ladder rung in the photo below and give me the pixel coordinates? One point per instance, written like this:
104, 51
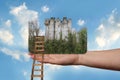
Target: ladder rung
39, 50
37, 64
39, 39
39, 42
37, 70
39, 46
37, 76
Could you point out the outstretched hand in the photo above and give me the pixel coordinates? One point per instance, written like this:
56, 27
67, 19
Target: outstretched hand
106, 59
59, 59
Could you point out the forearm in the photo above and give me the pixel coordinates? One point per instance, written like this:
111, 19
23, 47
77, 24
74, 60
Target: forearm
108, 59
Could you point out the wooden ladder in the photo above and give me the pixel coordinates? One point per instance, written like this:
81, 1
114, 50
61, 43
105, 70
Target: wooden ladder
37, 67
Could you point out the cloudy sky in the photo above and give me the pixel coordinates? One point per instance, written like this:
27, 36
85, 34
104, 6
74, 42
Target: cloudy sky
101, 17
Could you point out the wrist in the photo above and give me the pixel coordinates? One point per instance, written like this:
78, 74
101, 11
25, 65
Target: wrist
79, 59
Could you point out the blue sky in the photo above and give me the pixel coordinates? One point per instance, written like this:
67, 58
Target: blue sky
101, 17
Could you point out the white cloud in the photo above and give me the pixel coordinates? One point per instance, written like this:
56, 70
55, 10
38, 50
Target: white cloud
45, 8
112, 18
23, 15
16, 54
25, 73
8, 23
108, 32
6, 36
101, 27
118, 24
26, 56
101, 41
53, 67
81, 22
76, 67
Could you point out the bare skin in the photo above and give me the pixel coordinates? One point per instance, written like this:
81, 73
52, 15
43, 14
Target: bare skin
106, 59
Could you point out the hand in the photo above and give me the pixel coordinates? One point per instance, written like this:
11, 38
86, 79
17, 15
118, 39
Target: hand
59, 59
106, 59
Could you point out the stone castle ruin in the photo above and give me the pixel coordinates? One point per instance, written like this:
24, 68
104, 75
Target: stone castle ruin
59, 37
55, 27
